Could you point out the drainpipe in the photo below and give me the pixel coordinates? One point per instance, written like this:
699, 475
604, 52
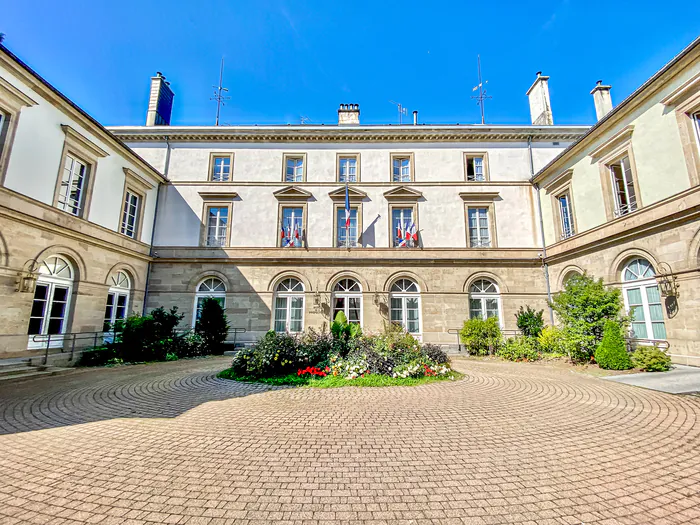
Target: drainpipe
543, 256
153, 229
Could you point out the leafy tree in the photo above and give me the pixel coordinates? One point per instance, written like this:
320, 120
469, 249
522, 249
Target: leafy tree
583, 307
212, 326
529, 321
611, 353
481, 337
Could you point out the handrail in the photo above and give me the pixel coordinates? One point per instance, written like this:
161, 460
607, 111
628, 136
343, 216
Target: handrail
659, 343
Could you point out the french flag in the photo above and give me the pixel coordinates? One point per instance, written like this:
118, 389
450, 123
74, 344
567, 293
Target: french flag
347, 207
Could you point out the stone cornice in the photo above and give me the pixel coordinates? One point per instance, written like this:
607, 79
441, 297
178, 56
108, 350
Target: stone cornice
421, 133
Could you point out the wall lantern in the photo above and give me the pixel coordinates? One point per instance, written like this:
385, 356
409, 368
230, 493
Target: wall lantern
668, 285
27, 282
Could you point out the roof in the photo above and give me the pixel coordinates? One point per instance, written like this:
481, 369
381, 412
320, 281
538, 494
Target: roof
78, 112
345, 133
617, 111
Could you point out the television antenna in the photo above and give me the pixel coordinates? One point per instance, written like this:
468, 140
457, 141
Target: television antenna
219, 91
303, 119
482, 96
402, 110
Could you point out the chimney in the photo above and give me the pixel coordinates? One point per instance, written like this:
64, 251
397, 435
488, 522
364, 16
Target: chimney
415, 118
601, 99
160, 103
540, 108
349, 115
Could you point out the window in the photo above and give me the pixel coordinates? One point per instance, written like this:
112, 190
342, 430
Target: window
476, 167
346, 237
294, 169
401, 169
565, 216
211, 287
484, 300
347, 169
479, 230
117, 303
404, 227
221, 167
292, 227
216, 226
696, 126
347, 298
643, 300
623, 186
70, 197
289, 306
130, 214
405, 305
12, 100
51, 303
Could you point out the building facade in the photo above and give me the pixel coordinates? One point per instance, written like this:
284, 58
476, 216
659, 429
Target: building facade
443, 222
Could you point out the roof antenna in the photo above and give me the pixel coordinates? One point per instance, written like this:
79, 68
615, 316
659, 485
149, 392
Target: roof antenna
481, 97
218, 93
402, 111
303, 119
2, 37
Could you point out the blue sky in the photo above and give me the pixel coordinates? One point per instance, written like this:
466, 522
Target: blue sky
288, 58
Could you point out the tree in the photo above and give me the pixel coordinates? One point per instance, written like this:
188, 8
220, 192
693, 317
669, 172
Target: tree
529, 321
212, 325
611, 353
583, 308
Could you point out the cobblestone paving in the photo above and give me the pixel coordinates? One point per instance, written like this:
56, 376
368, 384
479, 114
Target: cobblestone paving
511, 443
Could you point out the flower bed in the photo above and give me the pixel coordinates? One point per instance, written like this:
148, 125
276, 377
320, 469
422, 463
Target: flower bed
328, 359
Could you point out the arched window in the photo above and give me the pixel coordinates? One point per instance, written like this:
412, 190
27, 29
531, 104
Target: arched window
484, 300
643, 300
347, 298
289, 306
405, 305
52, 295
210, 287
117, 300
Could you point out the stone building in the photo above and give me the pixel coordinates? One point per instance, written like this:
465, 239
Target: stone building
446, 221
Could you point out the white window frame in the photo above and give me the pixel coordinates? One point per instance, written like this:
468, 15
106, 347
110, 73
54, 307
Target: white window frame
480, 240
130, 214
401, 173
340, 227
347, 172
224, 173
343, 289
49, 276
482, 296
297, 168
220, 236
403, 295
121, 288
66, 184
395, 241
695, 117
643, 283
209, 287
479, 174
294, 242
566, 215
631, 198
289, 294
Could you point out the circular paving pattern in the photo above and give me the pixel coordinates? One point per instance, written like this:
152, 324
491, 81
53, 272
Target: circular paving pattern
510, 443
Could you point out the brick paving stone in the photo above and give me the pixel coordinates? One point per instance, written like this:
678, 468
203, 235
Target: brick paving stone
510, 443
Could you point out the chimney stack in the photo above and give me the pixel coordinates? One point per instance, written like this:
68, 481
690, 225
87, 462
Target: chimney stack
160, 103
415, 118
601, 99
540, 108
349, 115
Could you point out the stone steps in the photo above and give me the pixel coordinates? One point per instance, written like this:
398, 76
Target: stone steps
16, 370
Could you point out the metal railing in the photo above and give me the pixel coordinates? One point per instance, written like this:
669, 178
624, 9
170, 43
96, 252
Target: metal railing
633, 342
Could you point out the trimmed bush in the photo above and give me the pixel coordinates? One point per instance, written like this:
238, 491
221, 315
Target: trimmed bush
612, 354
551, 340
651, 359
529, 321
481, 337
212, 326
519, 349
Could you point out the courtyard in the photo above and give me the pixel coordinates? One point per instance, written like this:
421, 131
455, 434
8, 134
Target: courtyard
508, 443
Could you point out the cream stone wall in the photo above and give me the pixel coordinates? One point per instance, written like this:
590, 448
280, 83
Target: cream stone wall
35, 161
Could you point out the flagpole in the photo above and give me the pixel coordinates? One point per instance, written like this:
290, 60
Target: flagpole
347, 223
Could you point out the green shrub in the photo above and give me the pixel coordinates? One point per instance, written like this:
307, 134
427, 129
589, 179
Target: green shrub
149, 337
212, 326
520, 348
583, 307
189, 344
551, 340
651, 359
98, 356
434, 353
612, 354
481, 337
171, 357
529, 321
